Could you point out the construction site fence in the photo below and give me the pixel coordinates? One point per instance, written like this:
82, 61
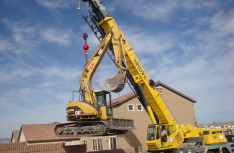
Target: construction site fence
23, 147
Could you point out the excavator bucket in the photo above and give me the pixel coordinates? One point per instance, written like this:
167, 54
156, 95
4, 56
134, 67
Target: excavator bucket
114, 84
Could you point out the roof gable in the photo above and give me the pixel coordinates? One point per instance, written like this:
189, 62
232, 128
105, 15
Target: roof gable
130, 95
159, 83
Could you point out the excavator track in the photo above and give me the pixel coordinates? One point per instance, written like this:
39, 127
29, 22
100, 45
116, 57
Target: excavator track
94, 128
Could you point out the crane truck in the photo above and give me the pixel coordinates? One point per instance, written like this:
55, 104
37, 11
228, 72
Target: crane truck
92, 115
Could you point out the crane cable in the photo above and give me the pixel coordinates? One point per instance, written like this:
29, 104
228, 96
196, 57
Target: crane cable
80, 16
84, 34
78, 5
85, 46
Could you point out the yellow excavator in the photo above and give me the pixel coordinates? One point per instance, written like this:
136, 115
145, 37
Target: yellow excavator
92, 115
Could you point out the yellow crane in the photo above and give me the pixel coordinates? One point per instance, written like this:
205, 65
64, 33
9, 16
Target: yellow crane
93, 116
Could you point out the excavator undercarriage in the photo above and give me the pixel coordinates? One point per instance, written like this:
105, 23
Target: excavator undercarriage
94, 128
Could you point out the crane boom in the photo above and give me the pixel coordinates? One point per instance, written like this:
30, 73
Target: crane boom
123, 52
127, 61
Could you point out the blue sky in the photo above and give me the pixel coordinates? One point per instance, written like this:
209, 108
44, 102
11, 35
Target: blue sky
188, 45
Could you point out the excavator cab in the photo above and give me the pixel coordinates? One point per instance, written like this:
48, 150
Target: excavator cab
105, 109
82, 110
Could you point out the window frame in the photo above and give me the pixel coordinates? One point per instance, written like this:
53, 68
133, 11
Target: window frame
84, 141
97, 144
110, 146
133, 109
141, 107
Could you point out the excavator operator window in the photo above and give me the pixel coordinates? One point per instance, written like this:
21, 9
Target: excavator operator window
101, 98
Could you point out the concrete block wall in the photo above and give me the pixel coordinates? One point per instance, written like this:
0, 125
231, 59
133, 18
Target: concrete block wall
22, 147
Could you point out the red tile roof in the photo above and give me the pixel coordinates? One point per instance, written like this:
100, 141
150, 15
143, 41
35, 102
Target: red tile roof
123, 98
42, 133
218, 123
200, 125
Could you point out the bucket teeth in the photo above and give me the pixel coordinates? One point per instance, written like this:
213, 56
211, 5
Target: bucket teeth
114, 84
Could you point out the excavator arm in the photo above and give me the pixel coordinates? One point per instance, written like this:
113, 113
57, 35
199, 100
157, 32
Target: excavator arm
90, 69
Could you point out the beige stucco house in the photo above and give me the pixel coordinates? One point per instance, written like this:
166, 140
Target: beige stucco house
41, 134
40, 138
129, 107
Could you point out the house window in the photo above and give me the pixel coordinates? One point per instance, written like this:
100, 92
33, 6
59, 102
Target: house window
85, 142
130, 107
97, 144
139, 107
112, 143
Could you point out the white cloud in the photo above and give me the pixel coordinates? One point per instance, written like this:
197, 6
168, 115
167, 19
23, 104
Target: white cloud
209, 82
15, 74
58, 36
35, 95
207, 65
28, 37
31, 108
21, 38
223, 22
162, 10
194, 4
5, 45
9, 75
156, 10
22, 33
149, 42
65, 73
53, 3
